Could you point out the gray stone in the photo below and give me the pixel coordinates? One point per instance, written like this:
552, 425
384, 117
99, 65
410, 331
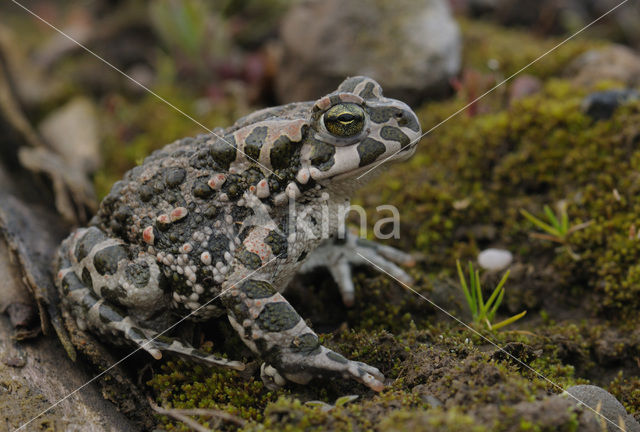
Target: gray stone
612, 63
72, 131
411, 47
607, 405
601, 105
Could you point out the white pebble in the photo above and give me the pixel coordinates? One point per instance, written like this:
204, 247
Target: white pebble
495, 259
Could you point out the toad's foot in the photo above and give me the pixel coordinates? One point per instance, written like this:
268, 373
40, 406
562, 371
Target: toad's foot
301, 368
340, 255
270, 327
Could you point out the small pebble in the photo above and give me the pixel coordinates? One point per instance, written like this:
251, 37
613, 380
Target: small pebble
607, 405
495, 259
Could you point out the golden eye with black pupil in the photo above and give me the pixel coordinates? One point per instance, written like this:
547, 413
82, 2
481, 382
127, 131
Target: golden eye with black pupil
344, 120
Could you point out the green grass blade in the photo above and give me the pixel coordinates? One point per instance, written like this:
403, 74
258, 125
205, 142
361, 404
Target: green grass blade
497, 304
504, 279
465, 288
496, 291
495, 294
552, 218
479, 299
537, 222
472, 290
509, 321
565, 218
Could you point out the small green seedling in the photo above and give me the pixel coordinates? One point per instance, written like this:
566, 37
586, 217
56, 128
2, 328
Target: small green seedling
558, 229
325, 407
483, 311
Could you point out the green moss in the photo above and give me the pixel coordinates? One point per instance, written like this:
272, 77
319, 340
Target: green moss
433, 420
627, 390
511, 50
181, 386
476, 173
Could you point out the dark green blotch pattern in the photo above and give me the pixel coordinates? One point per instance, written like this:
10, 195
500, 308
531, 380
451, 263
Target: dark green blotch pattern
109, 313
255, 289
218, 244
394, 134
71, 282
307, 344
337, 357
138, 274
120, 219
86, 278
233, 186
409, 121
277, 317
201, 189
210, 211
174, 176
113, 295
254, 141
223, 151
179, 284
367, 92
106, 260
350, 84
92, 237
239, 214
383, 114
249, 259
322, 155
162, 341
282, 153
277, 243
369, 150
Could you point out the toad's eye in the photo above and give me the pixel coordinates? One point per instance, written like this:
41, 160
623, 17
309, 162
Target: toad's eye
344, 120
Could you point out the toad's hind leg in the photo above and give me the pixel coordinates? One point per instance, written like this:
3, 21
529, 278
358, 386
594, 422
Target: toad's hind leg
270, 326
88, 259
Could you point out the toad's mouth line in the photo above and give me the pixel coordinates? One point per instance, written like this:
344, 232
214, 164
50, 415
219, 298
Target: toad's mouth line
476, 332
501, 83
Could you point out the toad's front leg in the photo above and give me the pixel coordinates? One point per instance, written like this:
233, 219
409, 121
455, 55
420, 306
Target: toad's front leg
270, 326
339, 256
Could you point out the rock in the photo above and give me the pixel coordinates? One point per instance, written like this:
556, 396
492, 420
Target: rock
565, 17
21, 144
523, 86
72, 131
607, 405
602, 105
411, 47
550, 412
614, 63
495, 259
422, 390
